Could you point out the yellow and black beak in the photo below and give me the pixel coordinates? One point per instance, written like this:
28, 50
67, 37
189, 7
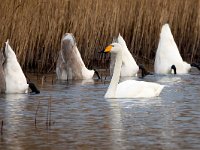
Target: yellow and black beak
107, 49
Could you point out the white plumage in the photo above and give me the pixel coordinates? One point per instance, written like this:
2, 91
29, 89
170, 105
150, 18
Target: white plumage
70, 64
129, 88
133, 88
14, 76
168, 54
129, 66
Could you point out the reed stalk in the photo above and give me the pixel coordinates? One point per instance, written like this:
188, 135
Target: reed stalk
35, 28
2, 127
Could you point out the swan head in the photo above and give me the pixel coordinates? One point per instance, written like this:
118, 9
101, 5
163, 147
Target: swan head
113, 48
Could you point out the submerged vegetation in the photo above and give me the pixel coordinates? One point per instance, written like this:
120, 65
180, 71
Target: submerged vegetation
35, 28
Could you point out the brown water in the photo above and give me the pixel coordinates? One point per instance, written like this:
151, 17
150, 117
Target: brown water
80, 117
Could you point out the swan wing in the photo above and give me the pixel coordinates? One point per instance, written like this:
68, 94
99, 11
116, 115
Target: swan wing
136, 89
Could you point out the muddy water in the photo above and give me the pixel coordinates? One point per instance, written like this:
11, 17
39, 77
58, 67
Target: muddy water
75, 115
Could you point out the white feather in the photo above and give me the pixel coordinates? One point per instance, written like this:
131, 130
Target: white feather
129, 66
129, 88
132, 88
14, 76
70, 64
168, 54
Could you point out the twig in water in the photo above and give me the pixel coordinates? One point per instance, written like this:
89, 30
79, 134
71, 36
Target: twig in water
37, 76
105, 80
48, 121
52, 80
43, 79
50, 113
2, 127
36, 113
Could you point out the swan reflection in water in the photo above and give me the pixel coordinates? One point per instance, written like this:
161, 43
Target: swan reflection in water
14, 119
133, 117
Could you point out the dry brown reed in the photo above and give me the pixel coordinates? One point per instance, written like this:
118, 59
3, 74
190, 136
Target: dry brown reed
35, 27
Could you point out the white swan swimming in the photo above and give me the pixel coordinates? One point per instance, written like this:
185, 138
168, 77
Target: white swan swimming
129, 66
14, 76
70, 64
168, 56
128, 88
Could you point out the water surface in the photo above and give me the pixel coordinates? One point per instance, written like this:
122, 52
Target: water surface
75, 115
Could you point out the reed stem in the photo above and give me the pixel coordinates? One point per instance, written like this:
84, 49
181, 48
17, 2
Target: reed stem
35, 28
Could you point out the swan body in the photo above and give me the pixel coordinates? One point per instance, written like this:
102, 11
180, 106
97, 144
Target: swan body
14, 76
129, 66
129, 88
137, 89
70, 64
167, 54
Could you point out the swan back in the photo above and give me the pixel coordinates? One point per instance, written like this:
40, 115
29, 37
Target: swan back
167, 54
136, 89
70, 64
129, 66
14, 76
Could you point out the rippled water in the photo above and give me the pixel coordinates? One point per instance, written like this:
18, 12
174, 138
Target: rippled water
80, 118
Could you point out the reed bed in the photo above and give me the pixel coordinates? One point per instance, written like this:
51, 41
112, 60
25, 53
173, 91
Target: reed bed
35, 28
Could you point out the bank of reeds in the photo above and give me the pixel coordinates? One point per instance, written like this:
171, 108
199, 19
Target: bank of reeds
35, 27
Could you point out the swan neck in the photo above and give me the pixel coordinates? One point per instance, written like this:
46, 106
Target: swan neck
116, 76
